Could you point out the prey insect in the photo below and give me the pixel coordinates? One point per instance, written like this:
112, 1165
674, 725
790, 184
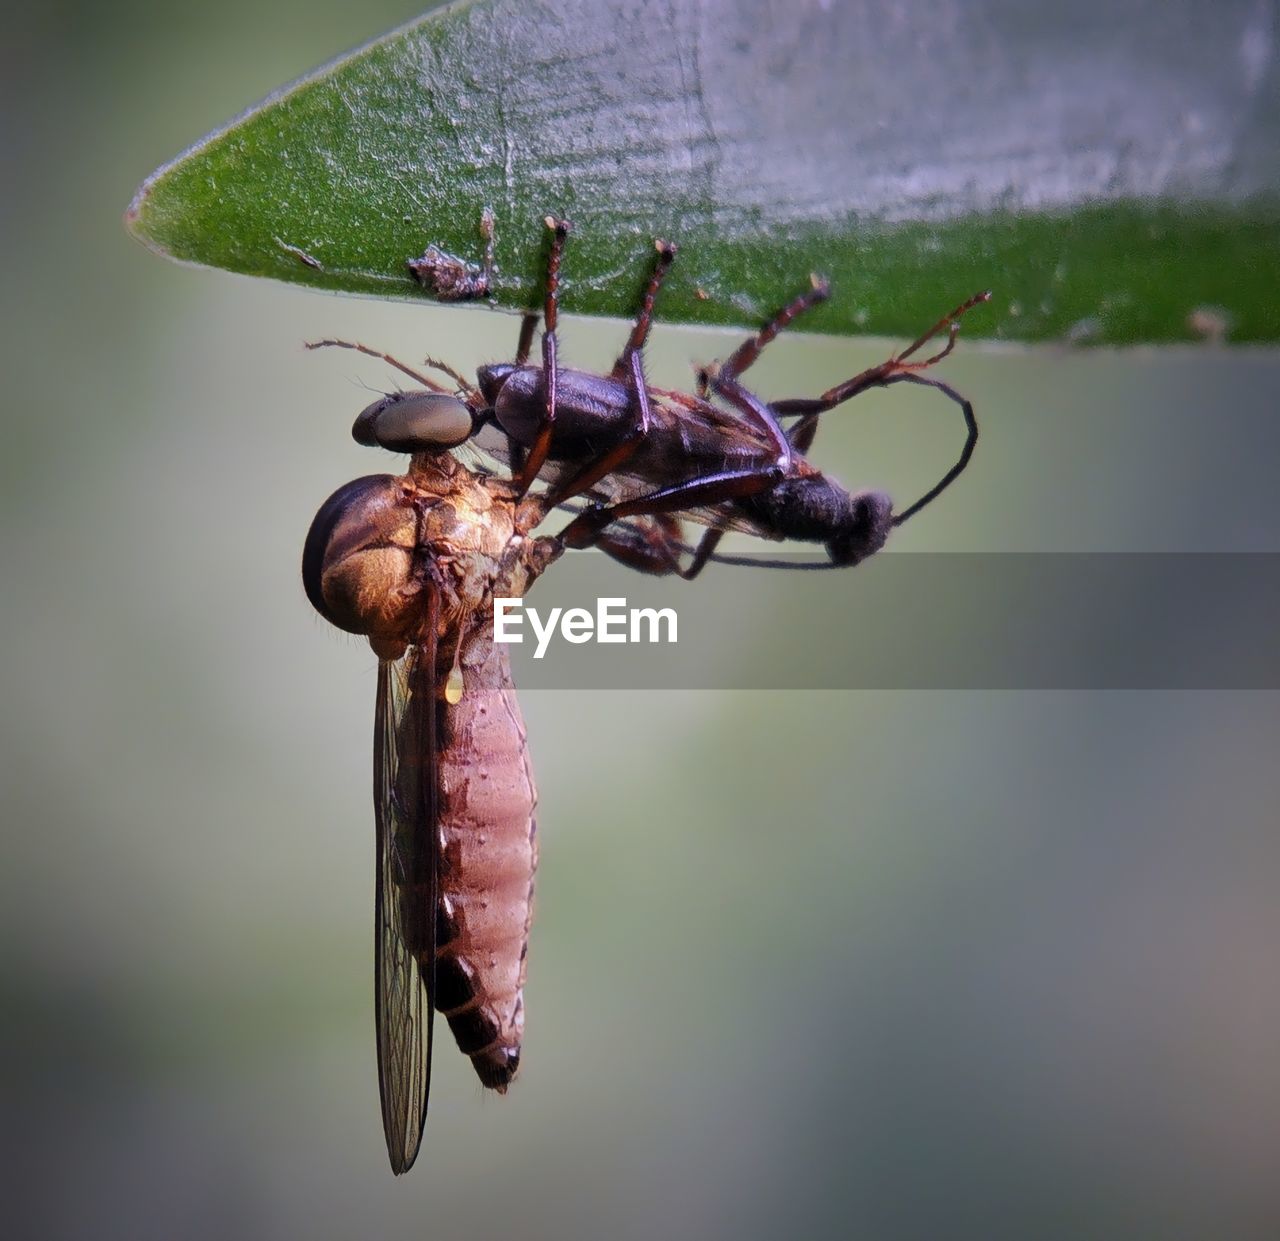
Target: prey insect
646, 457
413, 562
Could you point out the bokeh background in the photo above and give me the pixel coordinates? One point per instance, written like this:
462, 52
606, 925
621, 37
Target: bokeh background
805, 963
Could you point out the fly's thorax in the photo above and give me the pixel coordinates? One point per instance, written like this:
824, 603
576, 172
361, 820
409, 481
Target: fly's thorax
377, 542
520, 557
464, 513
469, 584
526, 559
471, 580
536, 554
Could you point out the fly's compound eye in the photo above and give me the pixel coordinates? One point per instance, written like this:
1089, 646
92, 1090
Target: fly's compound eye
358, 562
414, 422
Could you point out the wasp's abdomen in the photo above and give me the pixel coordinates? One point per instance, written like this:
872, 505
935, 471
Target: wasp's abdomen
488, 853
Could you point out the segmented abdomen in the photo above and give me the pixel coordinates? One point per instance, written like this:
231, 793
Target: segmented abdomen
488, 852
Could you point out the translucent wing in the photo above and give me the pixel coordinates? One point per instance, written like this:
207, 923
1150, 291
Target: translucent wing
404, 794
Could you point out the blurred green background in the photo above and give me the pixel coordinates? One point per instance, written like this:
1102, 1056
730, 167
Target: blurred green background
873, 964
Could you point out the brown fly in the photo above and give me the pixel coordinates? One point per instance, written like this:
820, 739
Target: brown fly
414, 561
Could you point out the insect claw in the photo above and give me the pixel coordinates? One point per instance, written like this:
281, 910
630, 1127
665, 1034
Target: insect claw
949, 321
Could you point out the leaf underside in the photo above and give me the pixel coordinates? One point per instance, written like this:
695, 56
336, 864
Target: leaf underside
1114, 177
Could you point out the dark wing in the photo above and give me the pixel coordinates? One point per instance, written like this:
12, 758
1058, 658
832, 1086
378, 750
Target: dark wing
404, 795
659, 465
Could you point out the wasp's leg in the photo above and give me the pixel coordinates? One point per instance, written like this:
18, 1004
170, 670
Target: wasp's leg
700, 491
880, 376
655, 546
630, 365
644, 319
528, 325
615, 457
707, 490
746, 353
550, 317
897, 369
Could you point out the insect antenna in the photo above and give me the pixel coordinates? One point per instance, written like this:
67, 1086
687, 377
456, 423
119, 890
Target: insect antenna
377, 353
464, 385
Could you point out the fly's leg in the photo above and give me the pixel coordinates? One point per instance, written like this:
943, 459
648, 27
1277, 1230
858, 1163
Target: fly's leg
650, 545
465, 386
550, 316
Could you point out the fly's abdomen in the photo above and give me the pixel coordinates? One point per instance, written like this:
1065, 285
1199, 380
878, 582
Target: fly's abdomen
488, 853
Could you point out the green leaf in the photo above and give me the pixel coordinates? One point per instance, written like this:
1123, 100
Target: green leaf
1111, 170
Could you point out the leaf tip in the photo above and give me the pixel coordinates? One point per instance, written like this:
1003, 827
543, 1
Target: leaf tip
137, 218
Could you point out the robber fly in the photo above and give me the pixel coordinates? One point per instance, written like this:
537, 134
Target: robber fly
413, 562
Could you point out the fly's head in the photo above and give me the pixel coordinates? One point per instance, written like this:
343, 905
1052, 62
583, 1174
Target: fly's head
360, 563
